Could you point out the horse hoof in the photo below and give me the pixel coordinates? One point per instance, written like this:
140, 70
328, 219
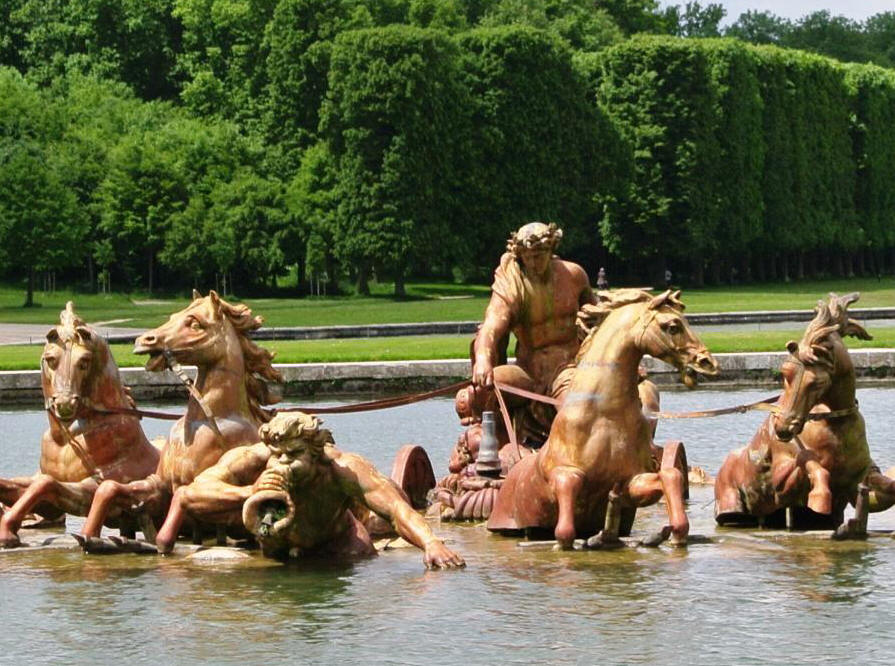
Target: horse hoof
848, 530
657, 538
10, 542
601, 541
126, 545
96, 545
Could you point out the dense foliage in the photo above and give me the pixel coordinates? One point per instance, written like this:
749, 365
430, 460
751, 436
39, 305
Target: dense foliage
179, 143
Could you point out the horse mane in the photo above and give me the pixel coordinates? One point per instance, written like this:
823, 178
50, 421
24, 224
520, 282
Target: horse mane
261, 377
592, 315
817, 343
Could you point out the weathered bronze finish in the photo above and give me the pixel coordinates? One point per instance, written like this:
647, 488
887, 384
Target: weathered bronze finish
536, 296
299, 495
225, 407
812, 453
600, 452
82, 446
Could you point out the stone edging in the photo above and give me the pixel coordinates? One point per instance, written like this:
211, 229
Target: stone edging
333, 379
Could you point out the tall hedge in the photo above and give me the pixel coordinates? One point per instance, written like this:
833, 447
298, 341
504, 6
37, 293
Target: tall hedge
394, 120
537, 149
872, 94
659, 92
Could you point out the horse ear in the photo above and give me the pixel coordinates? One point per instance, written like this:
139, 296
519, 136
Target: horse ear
855, 330
53, 335
85, 333
792, 347
196, 295
213, 295
658, 301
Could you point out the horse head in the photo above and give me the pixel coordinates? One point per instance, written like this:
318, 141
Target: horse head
73, 358
815, 363
211, 331
662, 332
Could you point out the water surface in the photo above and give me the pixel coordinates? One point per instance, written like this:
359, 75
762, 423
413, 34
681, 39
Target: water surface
743, 598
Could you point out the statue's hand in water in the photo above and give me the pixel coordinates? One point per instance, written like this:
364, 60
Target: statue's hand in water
439, 556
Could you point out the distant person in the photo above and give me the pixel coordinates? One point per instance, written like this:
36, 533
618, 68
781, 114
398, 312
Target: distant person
602, 282
667, 278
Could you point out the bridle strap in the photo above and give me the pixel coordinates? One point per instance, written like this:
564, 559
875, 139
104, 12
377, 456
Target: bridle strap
187, 381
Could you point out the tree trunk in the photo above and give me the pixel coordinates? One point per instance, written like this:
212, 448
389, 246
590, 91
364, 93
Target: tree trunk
800, 265
149, 268
784, 267
715, 271
400, 291
746, 267
91, 274
29, 296
760, 267
363, 280
698, 272
862, 266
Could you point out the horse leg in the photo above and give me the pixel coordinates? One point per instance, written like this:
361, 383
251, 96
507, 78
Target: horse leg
646, 489
213, 502
566, 483
820, 498
44, 489
856, 528
123, 496
882, 489
12, 489
608, 536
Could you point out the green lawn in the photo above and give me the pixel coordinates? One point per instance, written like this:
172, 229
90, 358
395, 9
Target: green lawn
421, 347
425, 302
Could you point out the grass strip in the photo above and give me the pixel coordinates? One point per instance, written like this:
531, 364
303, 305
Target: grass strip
424, 347
425, 302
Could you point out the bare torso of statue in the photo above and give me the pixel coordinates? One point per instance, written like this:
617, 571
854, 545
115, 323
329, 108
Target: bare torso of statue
536, 296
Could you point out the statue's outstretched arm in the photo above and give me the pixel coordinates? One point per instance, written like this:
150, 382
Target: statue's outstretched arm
360, 479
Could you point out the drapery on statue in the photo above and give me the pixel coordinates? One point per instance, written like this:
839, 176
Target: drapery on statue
536, 296
224, 410
300, 495
598, 459
811, 455
82, 446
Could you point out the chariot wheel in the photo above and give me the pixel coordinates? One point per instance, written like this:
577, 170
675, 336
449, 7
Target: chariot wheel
412, 471
674, 455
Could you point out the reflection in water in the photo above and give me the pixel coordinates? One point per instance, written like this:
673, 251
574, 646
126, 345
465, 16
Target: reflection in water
743, 597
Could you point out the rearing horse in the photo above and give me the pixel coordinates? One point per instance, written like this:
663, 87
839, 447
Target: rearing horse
225, 404
599, 452
86, 441
812, 452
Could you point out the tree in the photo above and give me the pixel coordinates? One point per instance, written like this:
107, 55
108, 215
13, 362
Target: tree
540, 149
134, 41
224, 56
37, 228
299, 41
312, 203
760, 28
394, 122
694, 20
834, 36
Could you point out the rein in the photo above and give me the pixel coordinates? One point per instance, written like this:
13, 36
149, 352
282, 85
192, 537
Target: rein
385, 403
82, 453
178, 370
